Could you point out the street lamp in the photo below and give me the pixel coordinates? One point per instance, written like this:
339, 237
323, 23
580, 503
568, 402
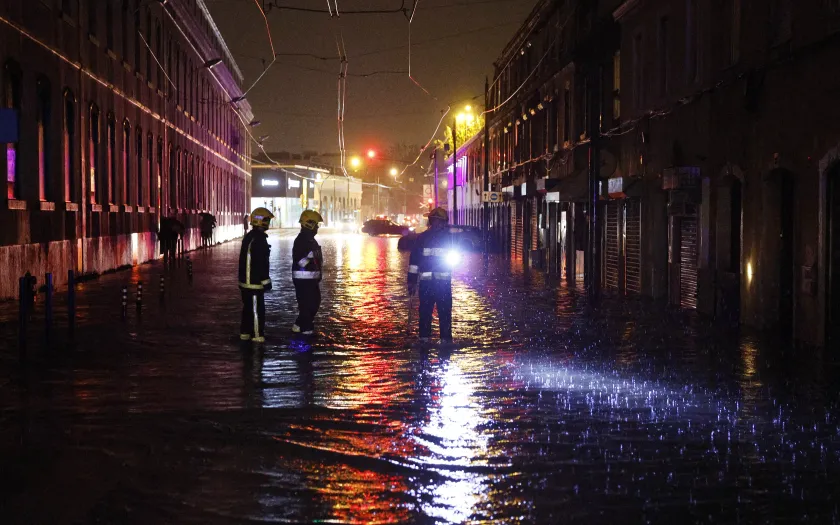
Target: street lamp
371, 154
355, 162
394, 172
467, 116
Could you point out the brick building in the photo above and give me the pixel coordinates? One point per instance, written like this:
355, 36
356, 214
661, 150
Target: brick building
126, 111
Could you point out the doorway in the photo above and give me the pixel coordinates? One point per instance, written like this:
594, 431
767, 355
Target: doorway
832, 287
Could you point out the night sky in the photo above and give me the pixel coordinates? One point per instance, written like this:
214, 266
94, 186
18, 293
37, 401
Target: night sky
455, 44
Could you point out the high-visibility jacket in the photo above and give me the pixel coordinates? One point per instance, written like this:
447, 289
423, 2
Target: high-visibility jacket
307, 260
253, 261
428, 257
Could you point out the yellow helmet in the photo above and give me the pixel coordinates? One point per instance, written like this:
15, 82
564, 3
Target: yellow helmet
439, 214
309, 219
261, 218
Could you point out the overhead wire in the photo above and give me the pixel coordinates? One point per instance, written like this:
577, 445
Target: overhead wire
273, 52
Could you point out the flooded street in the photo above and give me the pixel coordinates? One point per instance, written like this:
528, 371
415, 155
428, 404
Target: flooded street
544, 412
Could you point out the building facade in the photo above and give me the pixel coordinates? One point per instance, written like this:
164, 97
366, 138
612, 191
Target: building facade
125, 111
709, 130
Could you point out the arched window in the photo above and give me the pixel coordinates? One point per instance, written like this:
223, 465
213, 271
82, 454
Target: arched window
43, 116
127, 184
173, 175
111, 157
94, 189
69, 153
141, 177
11, 100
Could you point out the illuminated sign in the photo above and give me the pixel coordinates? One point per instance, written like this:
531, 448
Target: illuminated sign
270, 182
293, 183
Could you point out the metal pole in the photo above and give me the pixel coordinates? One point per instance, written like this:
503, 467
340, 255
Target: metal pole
485, 219
436, 178
594, 285
455, 171
23, 304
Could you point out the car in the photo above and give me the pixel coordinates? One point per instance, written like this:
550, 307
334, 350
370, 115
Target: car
468, 238
384, 227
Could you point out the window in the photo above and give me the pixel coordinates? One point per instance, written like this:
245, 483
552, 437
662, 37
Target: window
159, 53
11, 100
734, 31
127, 180
93, 156
109, 25
147, 44
111, 159
172, 176
157, 199
617, 85
176, 73
567, 114
169, 67
692, 44
137, 28
638, 73
663, 55
68, 8
69, 153
91, 7
140, 200
125, 31
151, 177
43, 116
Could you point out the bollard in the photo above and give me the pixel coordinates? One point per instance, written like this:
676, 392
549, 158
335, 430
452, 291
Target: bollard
139, 295
23, 301
71, 304
48, 304
162, 288
189, 269
124, 302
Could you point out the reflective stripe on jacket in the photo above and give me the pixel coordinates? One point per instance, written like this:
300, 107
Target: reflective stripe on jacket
307, 260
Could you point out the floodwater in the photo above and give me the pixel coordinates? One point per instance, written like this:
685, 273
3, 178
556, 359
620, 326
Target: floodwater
544, 412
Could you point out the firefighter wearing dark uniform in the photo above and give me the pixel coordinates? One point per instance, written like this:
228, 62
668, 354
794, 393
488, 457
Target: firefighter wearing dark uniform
307, 263
429, 271
253, 276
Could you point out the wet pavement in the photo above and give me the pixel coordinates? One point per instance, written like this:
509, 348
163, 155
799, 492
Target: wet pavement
545, 412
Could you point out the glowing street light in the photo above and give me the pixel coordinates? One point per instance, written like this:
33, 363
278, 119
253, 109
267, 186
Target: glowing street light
371, 154
394, 172
355, 162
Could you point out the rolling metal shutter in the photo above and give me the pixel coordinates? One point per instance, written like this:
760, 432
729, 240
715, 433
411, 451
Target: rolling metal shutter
633, 247
517, 233
611, 246
688, 262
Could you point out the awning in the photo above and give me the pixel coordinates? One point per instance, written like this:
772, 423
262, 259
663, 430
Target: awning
546, 185
624, 187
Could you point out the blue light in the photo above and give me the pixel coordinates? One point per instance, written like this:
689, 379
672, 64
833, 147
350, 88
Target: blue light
453, 257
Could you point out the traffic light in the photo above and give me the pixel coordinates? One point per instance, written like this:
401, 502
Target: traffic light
371, 154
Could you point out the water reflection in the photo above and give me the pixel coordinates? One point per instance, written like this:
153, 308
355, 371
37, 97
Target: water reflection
547, 411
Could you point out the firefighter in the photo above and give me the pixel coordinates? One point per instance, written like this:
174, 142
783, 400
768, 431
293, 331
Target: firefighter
429, 272
307, 264
253, 276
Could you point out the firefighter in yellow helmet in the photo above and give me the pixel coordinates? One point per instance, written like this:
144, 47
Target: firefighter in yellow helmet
254, 280
431, 274
307, 265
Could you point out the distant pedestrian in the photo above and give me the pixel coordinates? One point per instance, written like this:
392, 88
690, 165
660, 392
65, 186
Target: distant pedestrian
307, 264
430, 266
254, 280
207, 226
169, 233
245, 225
